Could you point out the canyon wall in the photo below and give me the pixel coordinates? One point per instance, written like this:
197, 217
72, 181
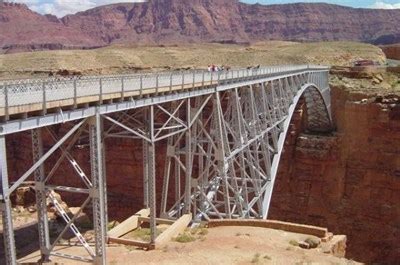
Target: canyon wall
349, 181
191, 21
392, 51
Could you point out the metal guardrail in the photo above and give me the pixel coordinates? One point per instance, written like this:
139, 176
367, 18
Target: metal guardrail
16, 93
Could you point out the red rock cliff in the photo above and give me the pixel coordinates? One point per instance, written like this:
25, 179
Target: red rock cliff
392, 51
349, 182
182, 21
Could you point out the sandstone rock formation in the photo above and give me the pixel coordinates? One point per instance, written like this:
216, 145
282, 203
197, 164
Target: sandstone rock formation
183, 21
348, 182
22, 29
392, 51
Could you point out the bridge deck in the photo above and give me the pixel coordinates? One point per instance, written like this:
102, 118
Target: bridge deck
25, 96
106, 97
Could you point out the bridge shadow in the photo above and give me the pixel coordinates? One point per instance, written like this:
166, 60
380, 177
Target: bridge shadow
26, 241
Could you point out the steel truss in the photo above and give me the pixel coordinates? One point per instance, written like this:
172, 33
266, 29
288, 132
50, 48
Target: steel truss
94, 189
222, 156
233, 149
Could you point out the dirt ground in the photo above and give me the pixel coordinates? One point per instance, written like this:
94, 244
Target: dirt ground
222, 245
384, 83
128, 59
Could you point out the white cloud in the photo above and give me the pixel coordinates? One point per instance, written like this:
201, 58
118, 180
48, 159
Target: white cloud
61, 8
383, 5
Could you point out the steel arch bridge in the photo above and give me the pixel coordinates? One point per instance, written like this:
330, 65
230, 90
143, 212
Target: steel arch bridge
224, 134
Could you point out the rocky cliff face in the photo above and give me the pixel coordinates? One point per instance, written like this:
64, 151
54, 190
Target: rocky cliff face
392, 51
166, 21
350, 181
318, 22
23, 29
179, 21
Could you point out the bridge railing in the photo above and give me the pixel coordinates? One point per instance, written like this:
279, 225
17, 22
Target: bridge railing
65, 91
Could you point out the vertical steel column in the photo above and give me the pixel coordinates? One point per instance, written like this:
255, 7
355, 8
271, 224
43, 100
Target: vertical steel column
145, 174
171, 148
221, 143
188, 162
250, 116
178, 192
150, 146
258, 129
103, 152
97, 192
197, 110
243, 139
39, 174
146, 117
167, 175
152, 190
5, 205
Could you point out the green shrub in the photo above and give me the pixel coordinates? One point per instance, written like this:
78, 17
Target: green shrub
143, 234
203, 232
256, 258
185, 238
112, 224
314, 242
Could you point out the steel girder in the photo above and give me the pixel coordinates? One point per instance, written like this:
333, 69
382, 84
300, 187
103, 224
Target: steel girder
5, 205
98, 189
41, 198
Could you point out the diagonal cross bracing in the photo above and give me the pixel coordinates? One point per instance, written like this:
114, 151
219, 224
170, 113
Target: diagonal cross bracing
243, 144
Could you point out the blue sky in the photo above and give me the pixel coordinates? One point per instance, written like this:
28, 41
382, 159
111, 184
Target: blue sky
354, 3
63, 7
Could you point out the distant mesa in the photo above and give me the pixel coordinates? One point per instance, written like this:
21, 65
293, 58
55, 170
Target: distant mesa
192, 21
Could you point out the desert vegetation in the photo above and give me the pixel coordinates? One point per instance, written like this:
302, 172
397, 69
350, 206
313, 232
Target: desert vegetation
130, 59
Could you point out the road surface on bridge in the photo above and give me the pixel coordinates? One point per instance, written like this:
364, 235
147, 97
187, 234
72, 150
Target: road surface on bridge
24, 96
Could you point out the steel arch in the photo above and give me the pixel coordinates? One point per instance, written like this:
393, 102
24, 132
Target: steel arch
321, 123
